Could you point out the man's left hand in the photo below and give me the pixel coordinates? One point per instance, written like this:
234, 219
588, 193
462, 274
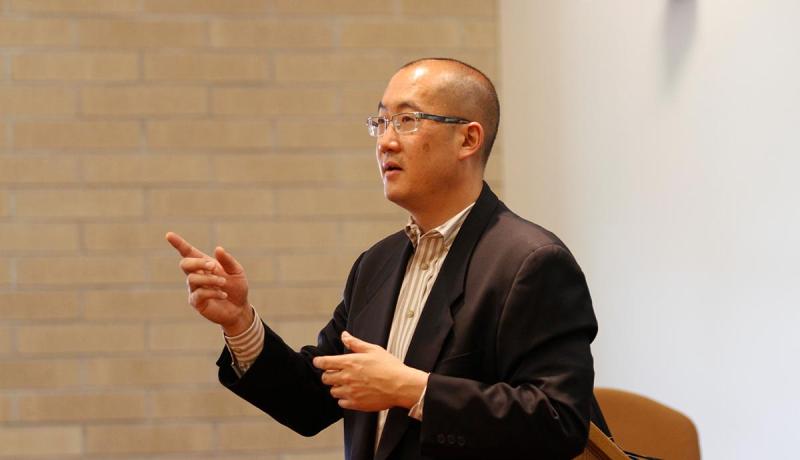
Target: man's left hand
370, 378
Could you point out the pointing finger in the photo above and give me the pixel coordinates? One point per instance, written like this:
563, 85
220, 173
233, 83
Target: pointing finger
184, 248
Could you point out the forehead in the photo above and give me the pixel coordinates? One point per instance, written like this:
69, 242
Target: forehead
410, 89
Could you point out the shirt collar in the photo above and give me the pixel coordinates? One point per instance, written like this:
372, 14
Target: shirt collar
447, 230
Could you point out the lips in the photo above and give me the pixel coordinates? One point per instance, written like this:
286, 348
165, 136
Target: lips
390, 166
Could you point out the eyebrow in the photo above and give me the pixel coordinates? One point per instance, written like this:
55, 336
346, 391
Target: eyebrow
414, 107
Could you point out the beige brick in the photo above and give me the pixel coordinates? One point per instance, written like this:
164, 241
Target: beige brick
296, 168
38, 169
39, 305
449, 7
480, 34
211, 202
201, 404
324, 134
273, 101
362, 101
29, 441
146, 169
76, 66
142, 100
32, 373
38, 237
393, 34
75, 407
298, 334
209, 134
74, 6
79, 203
80, 270
76, 135
335, 202
5, 272
272, 34
5, 340
363, 234
78, 338
260, 269
276, 235
334, 68
148, 305
269, 435
5, 209
326, 7
282, 302
332, 454
206, 6
141, 33
192, 336
34, 32
315, 267
3, 135
126, 237
206, 67
29, 100
152, 370
5, 408
118, 439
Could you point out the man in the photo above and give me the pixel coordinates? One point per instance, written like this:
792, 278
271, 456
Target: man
465, 336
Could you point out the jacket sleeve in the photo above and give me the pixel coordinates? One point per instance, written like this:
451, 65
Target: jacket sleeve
539, 404
284, 383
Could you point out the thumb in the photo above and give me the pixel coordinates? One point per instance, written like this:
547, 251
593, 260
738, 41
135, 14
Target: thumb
356, 345
229, 264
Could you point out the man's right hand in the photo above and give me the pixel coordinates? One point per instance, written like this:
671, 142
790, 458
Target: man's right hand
217, 286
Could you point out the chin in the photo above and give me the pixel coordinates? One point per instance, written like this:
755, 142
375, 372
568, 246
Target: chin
395, 195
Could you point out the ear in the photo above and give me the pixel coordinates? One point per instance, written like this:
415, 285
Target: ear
472, 141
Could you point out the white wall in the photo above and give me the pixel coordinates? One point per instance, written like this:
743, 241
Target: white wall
661, 141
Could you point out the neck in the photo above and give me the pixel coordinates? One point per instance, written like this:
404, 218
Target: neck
439, 213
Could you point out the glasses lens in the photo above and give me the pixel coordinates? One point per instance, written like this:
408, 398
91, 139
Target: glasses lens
405, 122
376, 126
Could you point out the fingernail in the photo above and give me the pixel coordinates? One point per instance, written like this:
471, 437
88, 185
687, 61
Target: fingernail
209, 265
224, 295
221, 280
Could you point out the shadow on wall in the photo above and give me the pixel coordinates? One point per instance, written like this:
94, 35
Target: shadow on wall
680, 24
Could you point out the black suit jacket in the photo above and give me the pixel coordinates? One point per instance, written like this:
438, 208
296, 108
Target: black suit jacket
505, 334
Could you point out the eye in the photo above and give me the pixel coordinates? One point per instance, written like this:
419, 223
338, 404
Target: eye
407, 118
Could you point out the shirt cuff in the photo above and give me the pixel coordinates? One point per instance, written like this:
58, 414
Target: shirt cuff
416, 410
247, 346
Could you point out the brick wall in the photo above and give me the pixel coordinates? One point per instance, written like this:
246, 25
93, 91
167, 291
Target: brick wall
232, 122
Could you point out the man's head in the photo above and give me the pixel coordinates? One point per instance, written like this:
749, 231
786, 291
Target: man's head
447, 150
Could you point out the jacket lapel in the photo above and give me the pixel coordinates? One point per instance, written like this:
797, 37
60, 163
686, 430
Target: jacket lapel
372, 324
437, 319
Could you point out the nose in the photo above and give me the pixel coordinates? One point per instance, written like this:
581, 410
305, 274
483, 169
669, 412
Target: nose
388, 141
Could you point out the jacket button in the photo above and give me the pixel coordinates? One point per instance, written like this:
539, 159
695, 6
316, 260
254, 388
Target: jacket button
440, 438
461, 441
451, 439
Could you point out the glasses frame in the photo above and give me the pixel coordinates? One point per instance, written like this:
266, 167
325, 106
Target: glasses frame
395, 121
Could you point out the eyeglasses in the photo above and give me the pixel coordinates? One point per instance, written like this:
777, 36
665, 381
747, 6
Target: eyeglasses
406, 122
